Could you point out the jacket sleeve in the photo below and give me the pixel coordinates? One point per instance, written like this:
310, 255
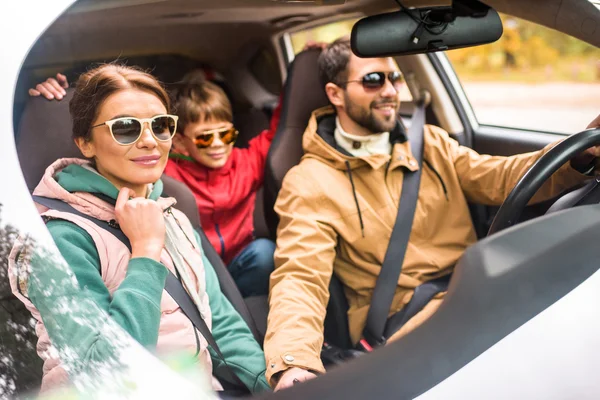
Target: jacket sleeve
489, 179
241, 351
258, 148
299, 286
134, 306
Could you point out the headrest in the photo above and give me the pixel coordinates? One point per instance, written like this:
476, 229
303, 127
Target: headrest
44, 135
303, 94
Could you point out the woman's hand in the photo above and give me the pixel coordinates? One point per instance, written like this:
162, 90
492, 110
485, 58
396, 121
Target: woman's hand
293, 376
142, 221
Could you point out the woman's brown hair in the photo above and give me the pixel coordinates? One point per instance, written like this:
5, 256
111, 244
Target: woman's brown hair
197, 99
96, 85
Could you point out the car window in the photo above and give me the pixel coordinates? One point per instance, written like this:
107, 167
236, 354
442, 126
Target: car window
532, 78
323, 33
328, 33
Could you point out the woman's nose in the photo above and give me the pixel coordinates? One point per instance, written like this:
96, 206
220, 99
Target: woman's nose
147, 139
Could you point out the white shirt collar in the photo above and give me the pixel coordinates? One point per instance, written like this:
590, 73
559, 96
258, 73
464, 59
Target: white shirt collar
359, 146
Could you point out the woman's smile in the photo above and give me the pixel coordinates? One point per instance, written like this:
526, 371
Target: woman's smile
148, 161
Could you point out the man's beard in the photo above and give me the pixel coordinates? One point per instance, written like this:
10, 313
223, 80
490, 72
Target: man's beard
367, 118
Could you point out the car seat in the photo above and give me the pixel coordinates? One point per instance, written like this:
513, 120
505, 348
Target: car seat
45, 136
303, 93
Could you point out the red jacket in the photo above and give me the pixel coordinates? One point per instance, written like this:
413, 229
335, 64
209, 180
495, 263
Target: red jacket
225, 196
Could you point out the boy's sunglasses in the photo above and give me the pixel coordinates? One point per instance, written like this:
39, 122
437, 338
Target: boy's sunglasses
376, 80
205, 139
128, 130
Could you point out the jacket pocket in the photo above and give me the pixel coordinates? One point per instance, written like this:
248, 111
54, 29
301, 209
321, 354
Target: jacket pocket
439, 177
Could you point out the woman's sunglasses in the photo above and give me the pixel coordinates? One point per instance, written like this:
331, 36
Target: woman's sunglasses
205, 139
128, 130
376, 80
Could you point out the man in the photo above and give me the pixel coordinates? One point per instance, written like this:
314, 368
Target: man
337, 209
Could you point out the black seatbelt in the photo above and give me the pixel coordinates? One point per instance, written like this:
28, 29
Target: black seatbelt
421, 297
387, 281
173, 285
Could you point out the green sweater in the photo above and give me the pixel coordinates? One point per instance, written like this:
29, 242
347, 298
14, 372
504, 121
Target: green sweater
135, 305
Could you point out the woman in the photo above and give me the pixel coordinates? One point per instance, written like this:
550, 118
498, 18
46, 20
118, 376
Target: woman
224, 180
122, 125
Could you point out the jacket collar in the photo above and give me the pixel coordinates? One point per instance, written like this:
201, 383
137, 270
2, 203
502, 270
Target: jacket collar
319, 142
88, 203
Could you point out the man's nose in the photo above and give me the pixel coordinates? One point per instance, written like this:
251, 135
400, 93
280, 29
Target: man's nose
388, 89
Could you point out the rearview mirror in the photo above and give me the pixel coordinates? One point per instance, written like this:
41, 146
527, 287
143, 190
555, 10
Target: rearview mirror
426, 30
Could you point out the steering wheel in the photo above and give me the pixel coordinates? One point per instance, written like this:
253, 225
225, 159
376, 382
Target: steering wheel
532, 181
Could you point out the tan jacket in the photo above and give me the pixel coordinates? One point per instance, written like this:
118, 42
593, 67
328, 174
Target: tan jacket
320, 230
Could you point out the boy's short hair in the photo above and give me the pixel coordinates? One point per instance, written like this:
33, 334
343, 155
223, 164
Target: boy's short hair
197, 99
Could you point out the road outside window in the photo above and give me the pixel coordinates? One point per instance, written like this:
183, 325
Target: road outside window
532, 78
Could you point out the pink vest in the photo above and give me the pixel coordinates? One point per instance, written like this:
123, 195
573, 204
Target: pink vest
176, 332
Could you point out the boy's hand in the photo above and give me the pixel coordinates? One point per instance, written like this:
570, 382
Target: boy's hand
51, 88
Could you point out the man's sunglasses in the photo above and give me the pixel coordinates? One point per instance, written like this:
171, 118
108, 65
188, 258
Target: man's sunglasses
376, 80
205, 139
128, 130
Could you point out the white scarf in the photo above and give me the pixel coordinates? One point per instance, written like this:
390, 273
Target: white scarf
360, 146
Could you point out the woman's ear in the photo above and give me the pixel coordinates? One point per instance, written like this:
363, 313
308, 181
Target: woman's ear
86, 147
335, 94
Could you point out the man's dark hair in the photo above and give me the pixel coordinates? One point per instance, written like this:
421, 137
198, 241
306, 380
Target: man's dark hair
333, 62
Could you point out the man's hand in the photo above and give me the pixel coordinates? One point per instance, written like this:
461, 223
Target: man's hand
584, 159
595, 123
51, 88
293, 376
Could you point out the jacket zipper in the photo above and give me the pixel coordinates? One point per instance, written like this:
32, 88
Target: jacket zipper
439, 178
170, 212
221, 240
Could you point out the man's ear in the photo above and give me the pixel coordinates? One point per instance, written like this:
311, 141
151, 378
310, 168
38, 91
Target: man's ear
86, 147
335, 94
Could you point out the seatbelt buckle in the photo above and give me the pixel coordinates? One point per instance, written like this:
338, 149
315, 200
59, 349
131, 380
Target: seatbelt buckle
369, 345
363, 345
